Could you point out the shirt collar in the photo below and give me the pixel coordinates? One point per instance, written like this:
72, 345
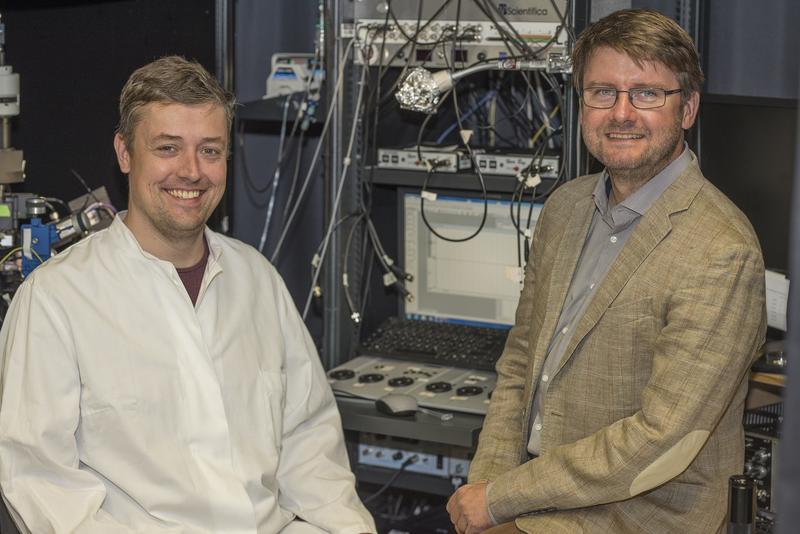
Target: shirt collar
214, 244
121, 231
645, 196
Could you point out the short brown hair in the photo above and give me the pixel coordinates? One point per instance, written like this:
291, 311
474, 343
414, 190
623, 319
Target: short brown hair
645, 36
170, 79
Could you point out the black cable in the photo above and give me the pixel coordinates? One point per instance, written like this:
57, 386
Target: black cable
504, 35
424, 191
413, 41
527, 249
455, 40
408, 461
85, 186
560, 98
556, 182
519, 39
532, 52
64, 205
516, 221
345, 271
521, 127
253, 187
520, 187
557, 132
430, 20
387, 261
432, 168
566, 24
295, 177
374, 97
506, 117
373, 106
365, 286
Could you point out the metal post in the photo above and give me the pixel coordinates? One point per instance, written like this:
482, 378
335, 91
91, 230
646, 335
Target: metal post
331, 298
581, 11
224, 69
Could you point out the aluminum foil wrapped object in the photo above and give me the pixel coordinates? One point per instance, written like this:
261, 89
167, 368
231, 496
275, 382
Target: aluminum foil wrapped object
421, 90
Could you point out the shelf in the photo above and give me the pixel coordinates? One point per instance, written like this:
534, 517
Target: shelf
408, 480
459, 181
360, 415
271, 110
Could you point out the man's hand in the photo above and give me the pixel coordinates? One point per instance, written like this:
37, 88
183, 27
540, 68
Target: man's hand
469, 510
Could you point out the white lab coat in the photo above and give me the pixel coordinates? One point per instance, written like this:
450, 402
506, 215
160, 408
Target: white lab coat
123, 408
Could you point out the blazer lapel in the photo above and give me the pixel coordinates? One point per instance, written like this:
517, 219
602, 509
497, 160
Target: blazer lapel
654, 226
569, 250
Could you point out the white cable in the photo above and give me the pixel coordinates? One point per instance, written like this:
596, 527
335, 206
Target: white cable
277, 175
345, 166
301, 112
315, 157
550, 141
540, 94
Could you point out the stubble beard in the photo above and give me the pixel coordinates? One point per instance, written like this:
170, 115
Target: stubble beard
177, 230
638, 169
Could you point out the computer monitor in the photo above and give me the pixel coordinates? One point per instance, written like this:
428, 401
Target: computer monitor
475, 282
748, 149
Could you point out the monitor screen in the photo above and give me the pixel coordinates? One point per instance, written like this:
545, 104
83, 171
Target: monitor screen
474, 282
748, 150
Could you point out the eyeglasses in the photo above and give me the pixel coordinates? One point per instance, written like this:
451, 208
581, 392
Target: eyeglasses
639, 97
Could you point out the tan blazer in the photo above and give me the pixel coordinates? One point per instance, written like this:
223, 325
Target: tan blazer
643, 420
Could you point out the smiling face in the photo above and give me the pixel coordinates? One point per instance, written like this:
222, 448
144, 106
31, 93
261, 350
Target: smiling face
176, 171
634, 144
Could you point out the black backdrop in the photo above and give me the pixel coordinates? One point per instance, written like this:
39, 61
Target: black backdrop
73, 58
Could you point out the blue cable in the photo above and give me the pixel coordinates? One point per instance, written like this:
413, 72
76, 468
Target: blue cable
473, 109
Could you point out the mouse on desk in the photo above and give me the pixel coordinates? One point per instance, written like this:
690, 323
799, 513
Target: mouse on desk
397, 404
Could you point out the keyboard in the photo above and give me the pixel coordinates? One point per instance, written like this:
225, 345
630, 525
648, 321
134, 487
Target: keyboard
428, 342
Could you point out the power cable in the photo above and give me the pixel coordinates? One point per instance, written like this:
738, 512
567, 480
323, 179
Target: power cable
276, 175
408, 461
337, 200
431, 168
315, 157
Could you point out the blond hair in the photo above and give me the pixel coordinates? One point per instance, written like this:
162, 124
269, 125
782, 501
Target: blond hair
169, 80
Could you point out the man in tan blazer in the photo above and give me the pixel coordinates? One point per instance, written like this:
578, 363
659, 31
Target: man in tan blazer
620, 393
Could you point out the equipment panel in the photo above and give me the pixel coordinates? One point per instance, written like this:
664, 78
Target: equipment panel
433, 386
417, 33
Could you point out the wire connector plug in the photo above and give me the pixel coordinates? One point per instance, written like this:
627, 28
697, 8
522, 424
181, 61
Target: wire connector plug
389, 279
533, 181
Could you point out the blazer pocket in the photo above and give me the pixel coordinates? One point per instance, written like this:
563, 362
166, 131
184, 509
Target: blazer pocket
626, 312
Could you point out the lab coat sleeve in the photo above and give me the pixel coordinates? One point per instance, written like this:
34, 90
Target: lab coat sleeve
314, 474
42, 485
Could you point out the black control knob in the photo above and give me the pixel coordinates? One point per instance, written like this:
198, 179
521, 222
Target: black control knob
342, 374
760, 472
401, 381
370, 378
439, 387
761, 456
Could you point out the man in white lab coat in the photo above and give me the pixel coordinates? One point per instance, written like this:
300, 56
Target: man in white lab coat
156, 377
